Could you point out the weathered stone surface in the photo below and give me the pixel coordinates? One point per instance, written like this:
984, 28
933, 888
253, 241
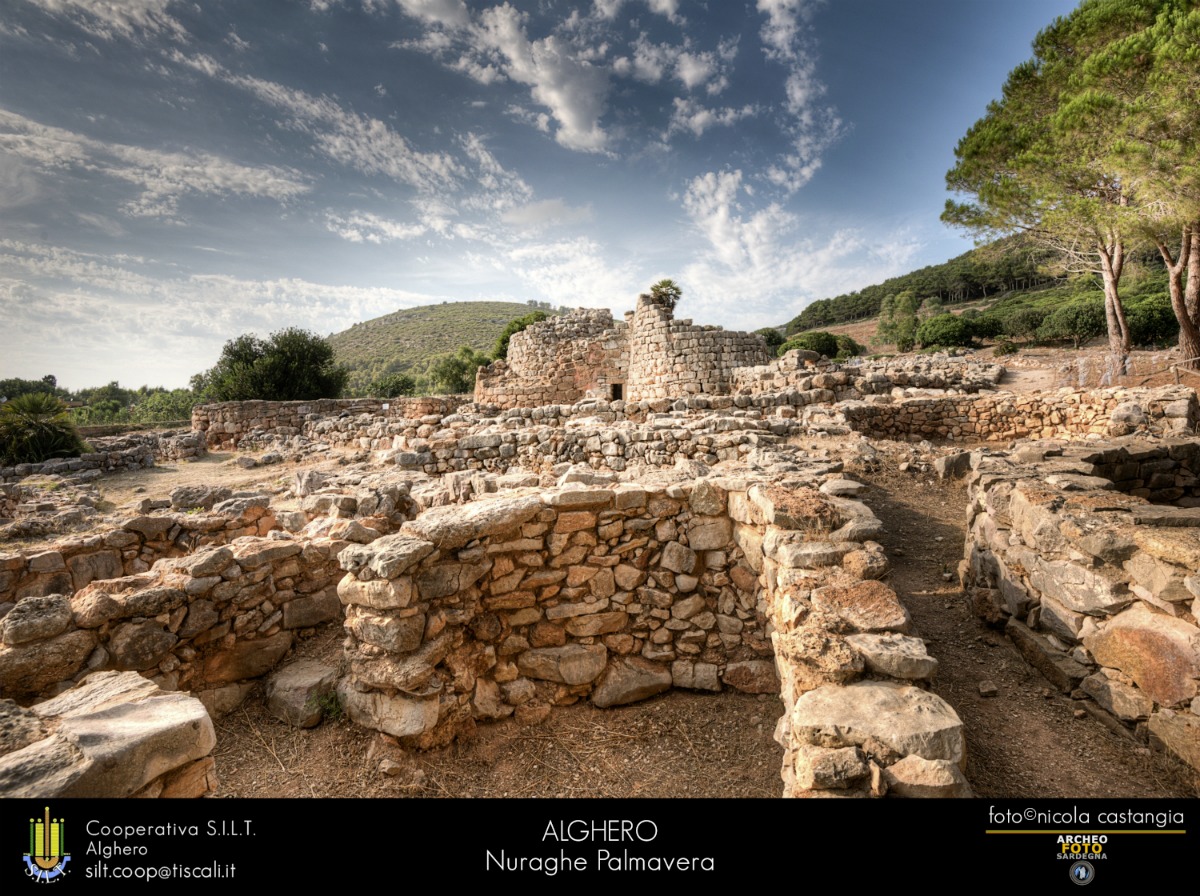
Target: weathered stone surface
1159, 652
1058, 668
87, 568
572, 664
29, 669
397, 634
300, 692
752, 677
813, 554
1179, 733
311, 610
386, 557
139, 645
905, 718
246, 659
597, 624
1122, 700
381, 594
919, 778
1180, 547
899, 656
1077, 587
446, 579
710, 533
487, 701
821, 768
223, 700
400, 715
114, 734
35, 618
575, 498
842, 488
189, 497
696, 676
869, 606
629, 679
205, 563
452, 527
678, 558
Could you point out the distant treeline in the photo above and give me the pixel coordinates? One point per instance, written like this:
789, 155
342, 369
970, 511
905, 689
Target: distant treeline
1013, 263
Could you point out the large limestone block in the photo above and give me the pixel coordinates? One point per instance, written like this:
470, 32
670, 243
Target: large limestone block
629, 679
113, 734
571, 664
899, 656
29, 669
400, 715
868, 605
36, 618
300, 692
1179, 733
1159, 652
752, 677
246, 659
453, 526
906, 719
386, 557
921, 778
1079, 588
710, 533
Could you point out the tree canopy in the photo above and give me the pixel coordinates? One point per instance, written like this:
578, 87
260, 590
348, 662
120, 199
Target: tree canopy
1093, 147
291, 365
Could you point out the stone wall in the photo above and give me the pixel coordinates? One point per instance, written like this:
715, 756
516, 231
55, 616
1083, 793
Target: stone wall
1007, 416
114, 454
672, 358
511, 605
226, 424
558, 361
202, 622
134, 546
801, 371
1096, 584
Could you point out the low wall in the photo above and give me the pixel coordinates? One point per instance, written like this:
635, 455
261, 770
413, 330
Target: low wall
225, 424
114, 454
510, 605
1095, 583
1007, 416
199, 623
69, 564
801, 371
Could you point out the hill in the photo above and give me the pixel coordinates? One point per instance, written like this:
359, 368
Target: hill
405, 341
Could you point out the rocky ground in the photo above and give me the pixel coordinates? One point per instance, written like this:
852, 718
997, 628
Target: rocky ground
1025, 739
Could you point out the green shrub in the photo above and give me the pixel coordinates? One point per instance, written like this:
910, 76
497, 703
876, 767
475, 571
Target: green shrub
292, 365
35, 427
1152, 320
817, 341
1078, 321
1024, 322
1005, 347
772, 337
393, 385
984, 326
847, 347
944, 330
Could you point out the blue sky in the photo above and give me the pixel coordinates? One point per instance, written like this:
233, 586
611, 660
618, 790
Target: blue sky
174, 174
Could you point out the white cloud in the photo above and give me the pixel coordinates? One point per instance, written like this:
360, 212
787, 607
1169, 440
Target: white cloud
108, 19
689, 115
574, 273
448, 13
154, 329
547, 213
359, 227
163, 177
784, 25
667, 8
237, 43
358, 141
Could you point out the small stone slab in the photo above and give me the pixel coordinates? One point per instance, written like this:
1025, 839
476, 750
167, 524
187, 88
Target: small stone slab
899, 656
630, 679
300, 692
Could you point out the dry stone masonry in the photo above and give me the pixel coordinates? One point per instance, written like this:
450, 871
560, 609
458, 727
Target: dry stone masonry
624, 508
1089, 555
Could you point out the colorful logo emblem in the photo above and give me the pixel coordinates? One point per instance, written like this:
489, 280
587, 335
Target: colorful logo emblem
46, 859
1082, 873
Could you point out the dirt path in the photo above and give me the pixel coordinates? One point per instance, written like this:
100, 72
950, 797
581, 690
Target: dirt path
1026, 741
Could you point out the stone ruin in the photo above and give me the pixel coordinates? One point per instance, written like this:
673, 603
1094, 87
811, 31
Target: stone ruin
557, 540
